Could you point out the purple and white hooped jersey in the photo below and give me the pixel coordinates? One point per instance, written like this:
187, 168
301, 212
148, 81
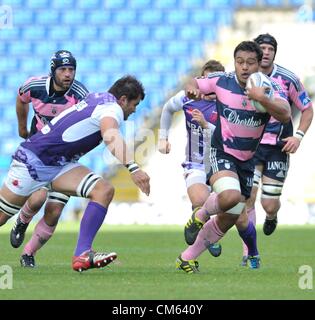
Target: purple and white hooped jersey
36, 91
75, 132
196, 135
296, 95
239, 127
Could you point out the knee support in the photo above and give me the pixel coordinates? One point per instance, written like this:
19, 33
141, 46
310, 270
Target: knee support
8, 208
257, 177
238, 209
271, 191
87, 184
226, 183
58, 197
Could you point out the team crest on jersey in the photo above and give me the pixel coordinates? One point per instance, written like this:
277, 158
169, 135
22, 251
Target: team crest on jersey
244, 103
53, 110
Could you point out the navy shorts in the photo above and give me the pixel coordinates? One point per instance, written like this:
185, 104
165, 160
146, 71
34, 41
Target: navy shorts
220, 161
276, 163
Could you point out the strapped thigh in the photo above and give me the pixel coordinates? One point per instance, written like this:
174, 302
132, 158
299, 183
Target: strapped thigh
8, 208
58, 197
271, 190
87, 184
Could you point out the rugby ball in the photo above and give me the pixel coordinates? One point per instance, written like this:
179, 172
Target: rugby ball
260, 80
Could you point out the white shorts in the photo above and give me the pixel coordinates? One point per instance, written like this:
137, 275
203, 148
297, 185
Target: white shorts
193, 176
20, 182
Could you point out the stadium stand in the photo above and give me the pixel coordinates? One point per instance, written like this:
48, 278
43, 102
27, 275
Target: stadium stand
153, 40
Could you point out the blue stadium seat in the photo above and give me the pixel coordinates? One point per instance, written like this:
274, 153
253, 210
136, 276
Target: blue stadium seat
63, 4
177, 48
89, 5
136, 65
220, 3
151, 17
247, 3
153, 48
77, 48
162, 64
224, 17
16, 3
123, 49
178, 17
14, 81
46, 17
112, 65
101, 18
21, 48
3, 48
273, 3
110, 32
192, 4
7, 97
9, 34
23, 17
34, 66
164, 32
124, 17
33, 33
45, 49
37, 4
97, 48
84, 33
115, 4
166, 4
57, 33
4, 162
298, 2
202, 17
76, 18
137, 32
190, 32
139, 4
150, 80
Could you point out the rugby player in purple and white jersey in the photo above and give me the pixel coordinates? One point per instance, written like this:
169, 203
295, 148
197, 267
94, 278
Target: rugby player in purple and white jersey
50, 157
200, 118
49, 96
272, 156
236, 137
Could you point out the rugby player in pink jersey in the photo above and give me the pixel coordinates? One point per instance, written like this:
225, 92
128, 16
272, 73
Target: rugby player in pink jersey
279, 140
49, 96
236, 137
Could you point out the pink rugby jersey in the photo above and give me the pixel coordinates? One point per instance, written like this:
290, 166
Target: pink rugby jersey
239, 126
36, 91
296, 95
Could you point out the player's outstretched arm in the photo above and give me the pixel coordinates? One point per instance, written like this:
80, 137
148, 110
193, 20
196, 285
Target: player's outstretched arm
22, 110
117, 146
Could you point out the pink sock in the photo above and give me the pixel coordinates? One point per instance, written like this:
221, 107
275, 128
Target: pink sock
210, 207
41, 235
26, 213
210, 232
251, 217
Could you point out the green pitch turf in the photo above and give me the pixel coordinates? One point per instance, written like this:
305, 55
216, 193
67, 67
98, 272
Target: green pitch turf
145, 268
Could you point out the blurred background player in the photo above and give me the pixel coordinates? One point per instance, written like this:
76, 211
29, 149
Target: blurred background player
198, 140
272, 156
238, 131
50, 157
49, 95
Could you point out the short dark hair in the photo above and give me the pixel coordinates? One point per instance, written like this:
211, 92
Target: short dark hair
268, 39
250, 46
127, 86
212, 66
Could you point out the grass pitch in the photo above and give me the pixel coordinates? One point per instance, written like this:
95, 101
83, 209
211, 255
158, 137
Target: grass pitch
145, 268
